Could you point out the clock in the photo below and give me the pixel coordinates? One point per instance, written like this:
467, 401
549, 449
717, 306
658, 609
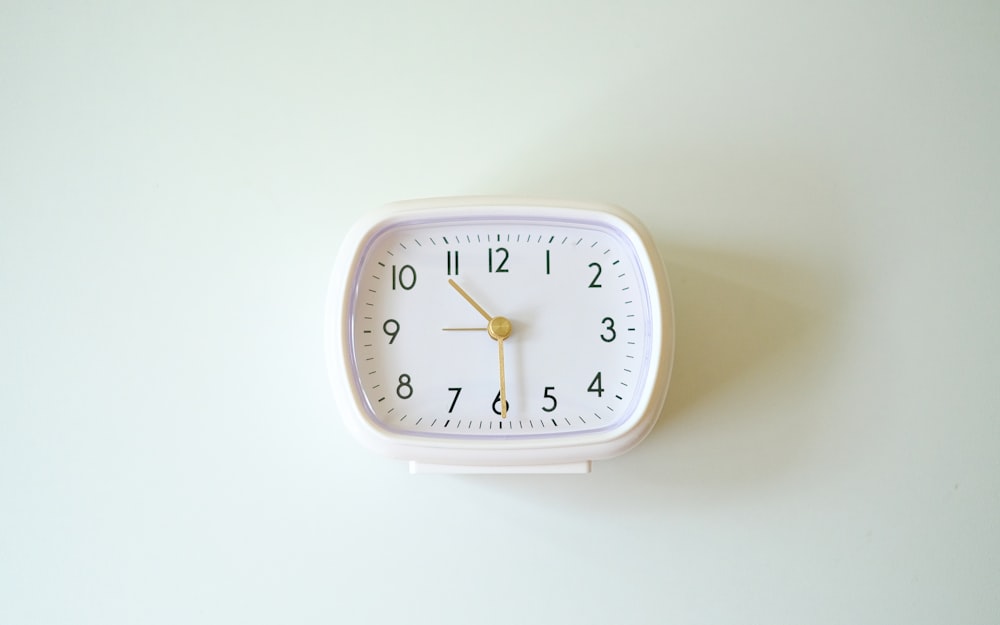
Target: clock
499, 335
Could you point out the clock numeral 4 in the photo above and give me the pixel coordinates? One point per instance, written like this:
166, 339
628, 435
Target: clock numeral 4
595, 385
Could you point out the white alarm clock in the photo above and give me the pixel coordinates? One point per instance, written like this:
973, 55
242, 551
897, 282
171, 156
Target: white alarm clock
499, 335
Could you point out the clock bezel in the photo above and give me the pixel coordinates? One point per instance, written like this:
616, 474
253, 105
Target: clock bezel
557, 449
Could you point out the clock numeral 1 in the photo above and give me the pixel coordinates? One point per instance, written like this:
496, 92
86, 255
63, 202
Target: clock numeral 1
404, 390
548, 262
407, 277
502, 256
594, 284
595, 385
450, 262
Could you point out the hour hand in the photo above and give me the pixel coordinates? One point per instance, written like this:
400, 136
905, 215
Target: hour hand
469, 299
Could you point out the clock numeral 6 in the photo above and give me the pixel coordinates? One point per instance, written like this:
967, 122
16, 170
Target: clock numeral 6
406, 277
496, 404
404, 390
391, 329
595, 385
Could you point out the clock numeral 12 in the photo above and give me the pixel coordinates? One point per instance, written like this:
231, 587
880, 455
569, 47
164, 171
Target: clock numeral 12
501, 251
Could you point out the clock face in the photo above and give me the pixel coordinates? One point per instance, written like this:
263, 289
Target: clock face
450, 316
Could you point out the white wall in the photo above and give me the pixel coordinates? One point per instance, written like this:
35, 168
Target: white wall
822, 179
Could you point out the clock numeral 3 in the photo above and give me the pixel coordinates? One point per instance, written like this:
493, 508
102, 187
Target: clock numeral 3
405, 389
609, 325
595, 385
501, 252
594, 284
407, 277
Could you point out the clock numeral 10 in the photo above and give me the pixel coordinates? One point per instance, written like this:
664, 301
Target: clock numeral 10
452, 263
406, 277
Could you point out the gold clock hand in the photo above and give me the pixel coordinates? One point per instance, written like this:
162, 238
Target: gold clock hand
469, 299
499, 328
464, 329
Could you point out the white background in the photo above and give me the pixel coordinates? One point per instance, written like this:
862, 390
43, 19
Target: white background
175, 179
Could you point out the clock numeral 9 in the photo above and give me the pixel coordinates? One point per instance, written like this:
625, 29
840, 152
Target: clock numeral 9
391, 329
594, 284
404, 390
595, 385
609, 324
496, 404
407, 277
501, 251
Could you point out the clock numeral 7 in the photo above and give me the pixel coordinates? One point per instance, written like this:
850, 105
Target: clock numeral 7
458, 391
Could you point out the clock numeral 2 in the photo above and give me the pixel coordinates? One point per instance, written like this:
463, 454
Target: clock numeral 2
594, 284
501, 251
407, 277
450, 265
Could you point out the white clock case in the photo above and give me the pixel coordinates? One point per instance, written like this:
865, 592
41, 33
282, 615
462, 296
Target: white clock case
563, 453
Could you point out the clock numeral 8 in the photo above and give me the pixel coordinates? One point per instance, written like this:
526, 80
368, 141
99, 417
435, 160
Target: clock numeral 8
404, 390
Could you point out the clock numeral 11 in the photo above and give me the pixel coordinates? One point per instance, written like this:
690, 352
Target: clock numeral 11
452, 263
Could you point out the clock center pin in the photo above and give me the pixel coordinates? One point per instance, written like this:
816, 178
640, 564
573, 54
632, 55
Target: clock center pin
499, 328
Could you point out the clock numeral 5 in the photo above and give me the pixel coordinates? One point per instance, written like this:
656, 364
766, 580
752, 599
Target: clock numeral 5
407, 277
548, 395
